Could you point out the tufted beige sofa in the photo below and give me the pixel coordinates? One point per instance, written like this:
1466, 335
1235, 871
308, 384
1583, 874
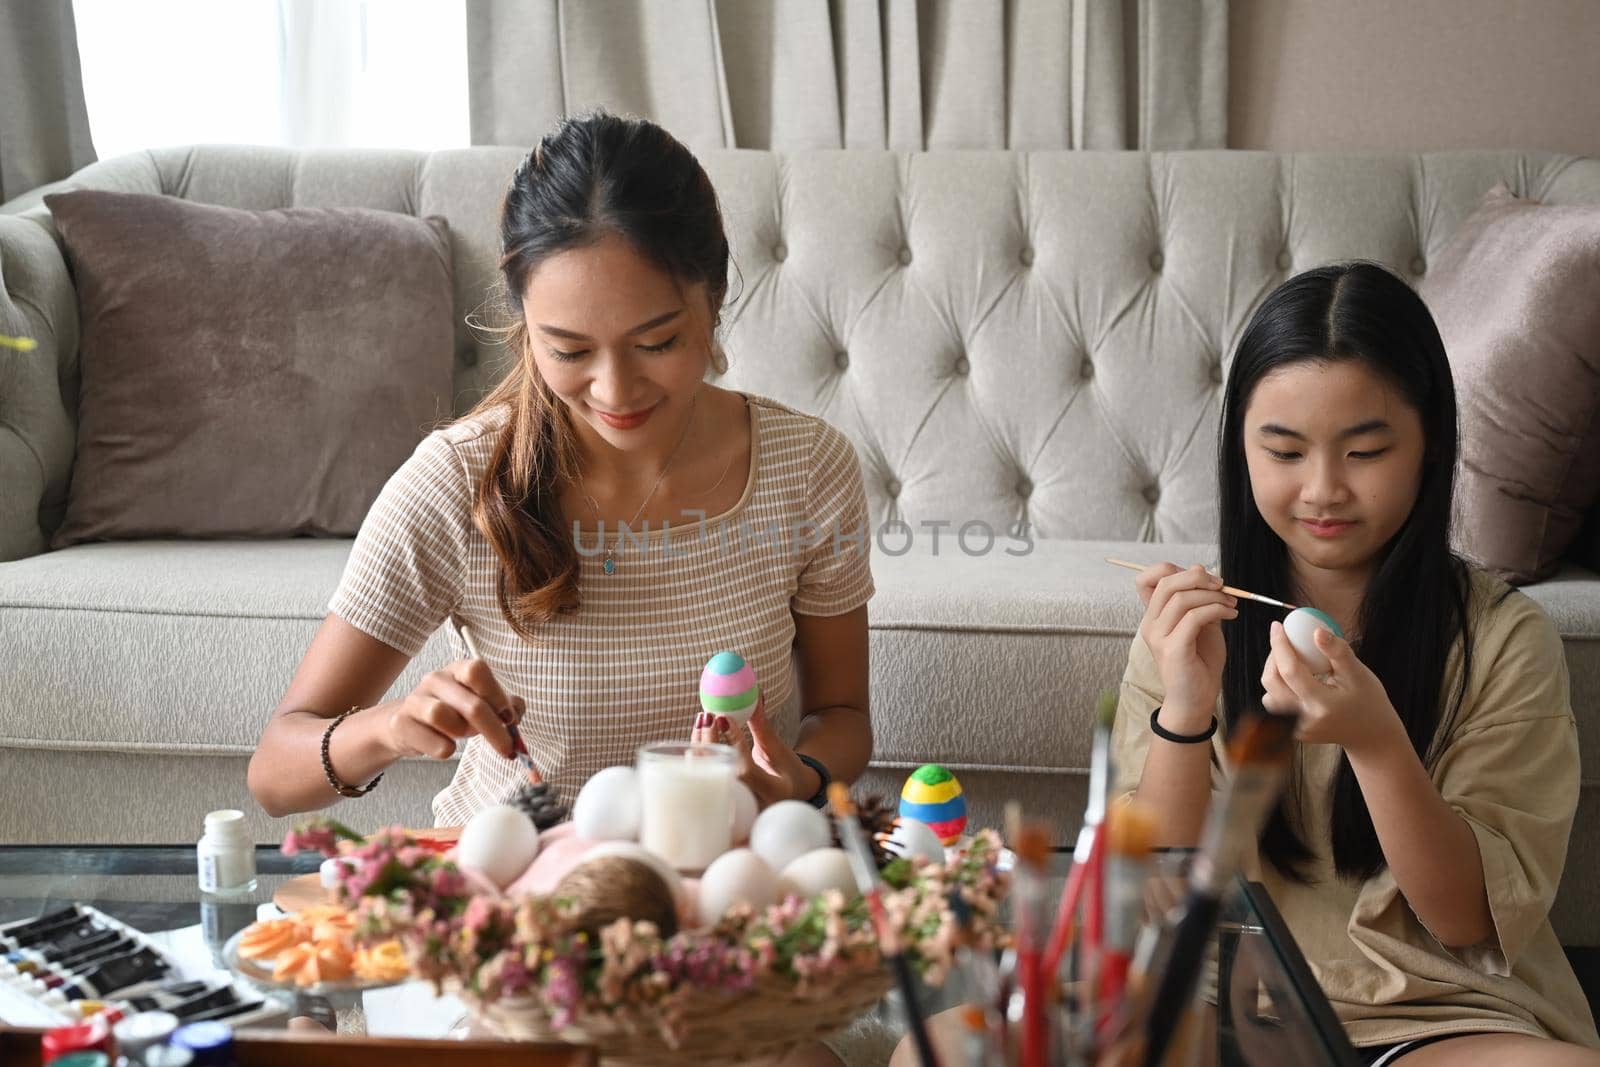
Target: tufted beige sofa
1008, 337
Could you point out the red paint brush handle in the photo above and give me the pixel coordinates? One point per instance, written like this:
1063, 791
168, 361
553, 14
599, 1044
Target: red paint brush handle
1071, 893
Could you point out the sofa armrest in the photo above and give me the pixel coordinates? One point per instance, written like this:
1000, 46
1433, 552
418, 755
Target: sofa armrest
37, 385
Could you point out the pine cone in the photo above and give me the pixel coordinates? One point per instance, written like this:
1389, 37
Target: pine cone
877, 816
539, 805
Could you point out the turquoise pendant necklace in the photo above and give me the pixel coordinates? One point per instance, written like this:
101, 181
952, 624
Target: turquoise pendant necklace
609, 565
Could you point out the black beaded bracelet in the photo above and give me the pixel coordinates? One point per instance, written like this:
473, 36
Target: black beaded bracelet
1181, 739
327, 762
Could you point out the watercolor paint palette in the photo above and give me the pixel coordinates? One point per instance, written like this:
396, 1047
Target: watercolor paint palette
74, 962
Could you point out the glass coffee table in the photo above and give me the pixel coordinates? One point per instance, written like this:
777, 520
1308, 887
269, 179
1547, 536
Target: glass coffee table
1259, 1006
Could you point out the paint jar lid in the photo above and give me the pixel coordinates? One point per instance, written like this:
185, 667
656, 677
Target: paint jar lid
227, 824
83, 1037
211, 1042
138, 1032
82, 1059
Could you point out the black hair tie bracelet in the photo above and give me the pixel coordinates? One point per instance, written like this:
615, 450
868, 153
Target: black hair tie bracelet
1181, 739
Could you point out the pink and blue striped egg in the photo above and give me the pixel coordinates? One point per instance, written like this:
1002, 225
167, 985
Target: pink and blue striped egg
728, 687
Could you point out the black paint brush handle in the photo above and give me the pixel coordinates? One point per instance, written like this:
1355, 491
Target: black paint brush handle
1176, 986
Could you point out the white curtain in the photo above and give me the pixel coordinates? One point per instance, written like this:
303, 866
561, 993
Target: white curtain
345, 73
901, 74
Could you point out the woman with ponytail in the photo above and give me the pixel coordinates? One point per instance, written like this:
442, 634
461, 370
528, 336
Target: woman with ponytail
602, 522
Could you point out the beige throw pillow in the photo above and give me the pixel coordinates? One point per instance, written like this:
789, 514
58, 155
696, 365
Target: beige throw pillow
1516, 295
248, 373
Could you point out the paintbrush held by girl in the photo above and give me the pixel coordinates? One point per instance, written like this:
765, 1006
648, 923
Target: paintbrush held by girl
1421, 837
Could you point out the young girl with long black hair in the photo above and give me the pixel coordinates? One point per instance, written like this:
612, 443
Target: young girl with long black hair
1422, 836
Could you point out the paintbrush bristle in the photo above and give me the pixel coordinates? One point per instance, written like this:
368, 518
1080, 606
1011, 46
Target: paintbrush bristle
1105, 712
839, 800
1033, 844
1131, 829
1264, 737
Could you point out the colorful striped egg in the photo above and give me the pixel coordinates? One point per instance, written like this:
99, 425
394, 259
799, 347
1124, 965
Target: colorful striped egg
933, 796
728, 687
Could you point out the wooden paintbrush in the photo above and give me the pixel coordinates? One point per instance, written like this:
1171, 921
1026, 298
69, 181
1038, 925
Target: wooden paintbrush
854, 839
517, 743
1242, 594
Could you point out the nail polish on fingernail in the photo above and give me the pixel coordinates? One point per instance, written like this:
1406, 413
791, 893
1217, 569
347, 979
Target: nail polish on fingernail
724, 723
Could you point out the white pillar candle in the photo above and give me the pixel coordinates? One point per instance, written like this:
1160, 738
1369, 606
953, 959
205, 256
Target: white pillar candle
686, 790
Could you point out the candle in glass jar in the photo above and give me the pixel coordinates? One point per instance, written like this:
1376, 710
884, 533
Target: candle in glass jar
687, 806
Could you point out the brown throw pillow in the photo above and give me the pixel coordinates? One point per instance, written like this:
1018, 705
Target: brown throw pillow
1516, 295
248, 373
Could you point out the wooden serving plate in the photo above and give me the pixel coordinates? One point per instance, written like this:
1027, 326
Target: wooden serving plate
306, 891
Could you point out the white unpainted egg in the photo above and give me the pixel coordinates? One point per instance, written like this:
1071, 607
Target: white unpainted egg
608, 806
737, 877
912, 839
1301, 628
498, 842
818, 871
788, 830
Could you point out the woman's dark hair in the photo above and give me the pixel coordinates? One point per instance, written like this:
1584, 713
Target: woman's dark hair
1416, 604
590, 177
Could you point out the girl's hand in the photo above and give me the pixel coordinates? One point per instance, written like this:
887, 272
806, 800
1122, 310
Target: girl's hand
1184, 611
767, 764
459, 701
1347, 706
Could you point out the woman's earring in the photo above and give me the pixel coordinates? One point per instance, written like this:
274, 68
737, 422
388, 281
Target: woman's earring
719, 357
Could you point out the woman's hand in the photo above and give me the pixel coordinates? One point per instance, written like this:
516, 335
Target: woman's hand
1347, 706
767, 764
1184, 611
459, 701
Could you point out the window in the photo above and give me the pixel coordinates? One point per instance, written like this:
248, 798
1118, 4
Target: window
357, 73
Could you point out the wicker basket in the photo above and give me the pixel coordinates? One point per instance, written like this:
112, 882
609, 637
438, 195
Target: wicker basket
719, 1028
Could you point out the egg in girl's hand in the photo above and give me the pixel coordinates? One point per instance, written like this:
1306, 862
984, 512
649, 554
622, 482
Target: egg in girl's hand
737, 877
499, 843
788, 830
1301, 628
818, 871
911, 840
728, 687
608, 806
745, 810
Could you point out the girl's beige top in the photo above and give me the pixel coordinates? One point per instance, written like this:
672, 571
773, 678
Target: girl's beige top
624, 670
1509, 766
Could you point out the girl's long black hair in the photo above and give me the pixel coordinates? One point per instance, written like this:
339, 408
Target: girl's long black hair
1416, 605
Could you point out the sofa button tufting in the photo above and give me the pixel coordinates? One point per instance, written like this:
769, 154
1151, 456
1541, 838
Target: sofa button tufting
905, 257
469, 357
1086, 369
963, 367
1152, 494
841, 359
1027, 257
1157, 261
893, 488
780, 251
1024, 488
1216, 374
1419, 266
1285, 261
